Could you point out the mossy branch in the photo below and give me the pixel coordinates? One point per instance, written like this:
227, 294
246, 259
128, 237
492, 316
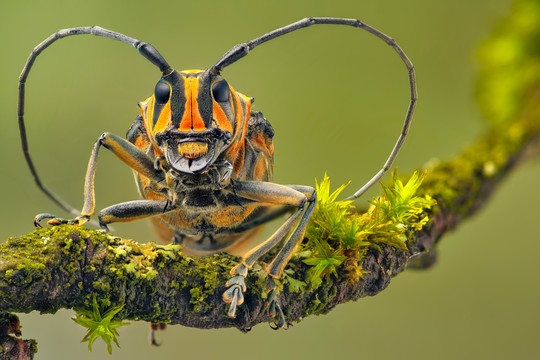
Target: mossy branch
65, 266
68, 266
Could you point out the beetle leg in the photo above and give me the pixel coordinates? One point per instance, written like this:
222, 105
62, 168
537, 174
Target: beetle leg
271, 214
125, 151
154, 327
302, 197
236, 288
236, 285
133, 210
287, 251
54, 220
274, 307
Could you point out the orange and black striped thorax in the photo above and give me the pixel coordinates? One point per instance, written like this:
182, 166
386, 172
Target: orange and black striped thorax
193, 117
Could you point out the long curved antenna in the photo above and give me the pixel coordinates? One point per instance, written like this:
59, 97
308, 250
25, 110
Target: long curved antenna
145, 49
241, 50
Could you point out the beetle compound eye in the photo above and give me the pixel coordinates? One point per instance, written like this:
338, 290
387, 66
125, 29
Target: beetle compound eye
162, 92
220, 91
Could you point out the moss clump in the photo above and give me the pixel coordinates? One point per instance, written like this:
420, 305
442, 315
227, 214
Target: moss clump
510, 69
338, 236
100, 324
207, 286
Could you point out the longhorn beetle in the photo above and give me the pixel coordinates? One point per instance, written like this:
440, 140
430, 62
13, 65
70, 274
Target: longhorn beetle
203, 162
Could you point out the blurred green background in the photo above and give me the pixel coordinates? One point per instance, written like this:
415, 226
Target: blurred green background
336, 97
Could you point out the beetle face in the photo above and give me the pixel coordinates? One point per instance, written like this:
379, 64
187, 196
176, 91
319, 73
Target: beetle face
193, 117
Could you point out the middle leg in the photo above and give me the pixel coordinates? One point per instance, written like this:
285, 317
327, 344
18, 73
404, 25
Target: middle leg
301, 197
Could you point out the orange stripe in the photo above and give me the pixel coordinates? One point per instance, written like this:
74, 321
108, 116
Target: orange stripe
144, 105
192, 118
147, 110
164, 118
185, 123
238, 133
248, 114
246, 118
221, 118
235, 153
260, 169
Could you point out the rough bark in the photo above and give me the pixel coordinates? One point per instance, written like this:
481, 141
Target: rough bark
12, 347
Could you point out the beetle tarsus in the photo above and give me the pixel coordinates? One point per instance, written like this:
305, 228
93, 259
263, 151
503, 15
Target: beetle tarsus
54, 220
234, 295
104, 226
280, 322
274, 309
40, 217
152, 334
57, 221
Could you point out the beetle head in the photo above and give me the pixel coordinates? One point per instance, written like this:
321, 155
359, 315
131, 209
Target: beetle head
193, 117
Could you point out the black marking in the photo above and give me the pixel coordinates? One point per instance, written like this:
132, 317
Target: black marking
221, 91
204, 98
178, 98
162, 92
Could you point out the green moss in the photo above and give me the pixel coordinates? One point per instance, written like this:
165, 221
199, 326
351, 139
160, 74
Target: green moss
206, 280
314, 306
338, 236
509, 64
118, 262
293, 285
149, 273
101, 286
100, 324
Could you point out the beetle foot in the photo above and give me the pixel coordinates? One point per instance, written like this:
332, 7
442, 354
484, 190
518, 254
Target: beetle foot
152, 334
236, 288
55, 220
274, 309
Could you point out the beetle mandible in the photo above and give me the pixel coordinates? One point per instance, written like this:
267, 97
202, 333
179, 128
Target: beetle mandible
203, 162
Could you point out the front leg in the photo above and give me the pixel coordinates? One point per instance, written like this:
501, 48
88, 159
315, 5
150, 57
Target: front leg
133, 210
301, 197
125, 151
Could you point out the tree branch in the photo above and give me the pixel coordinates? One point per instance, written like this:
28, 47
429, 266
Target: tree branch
11, 346
65, 266
62, 267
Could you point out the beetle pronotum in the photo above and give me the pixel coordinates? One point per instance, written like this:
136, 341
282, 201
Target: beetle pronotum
203, 162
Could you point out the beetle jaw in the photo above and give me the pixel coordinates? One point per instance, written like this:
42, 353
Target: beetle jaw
193, 152
190, 162
193, 149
